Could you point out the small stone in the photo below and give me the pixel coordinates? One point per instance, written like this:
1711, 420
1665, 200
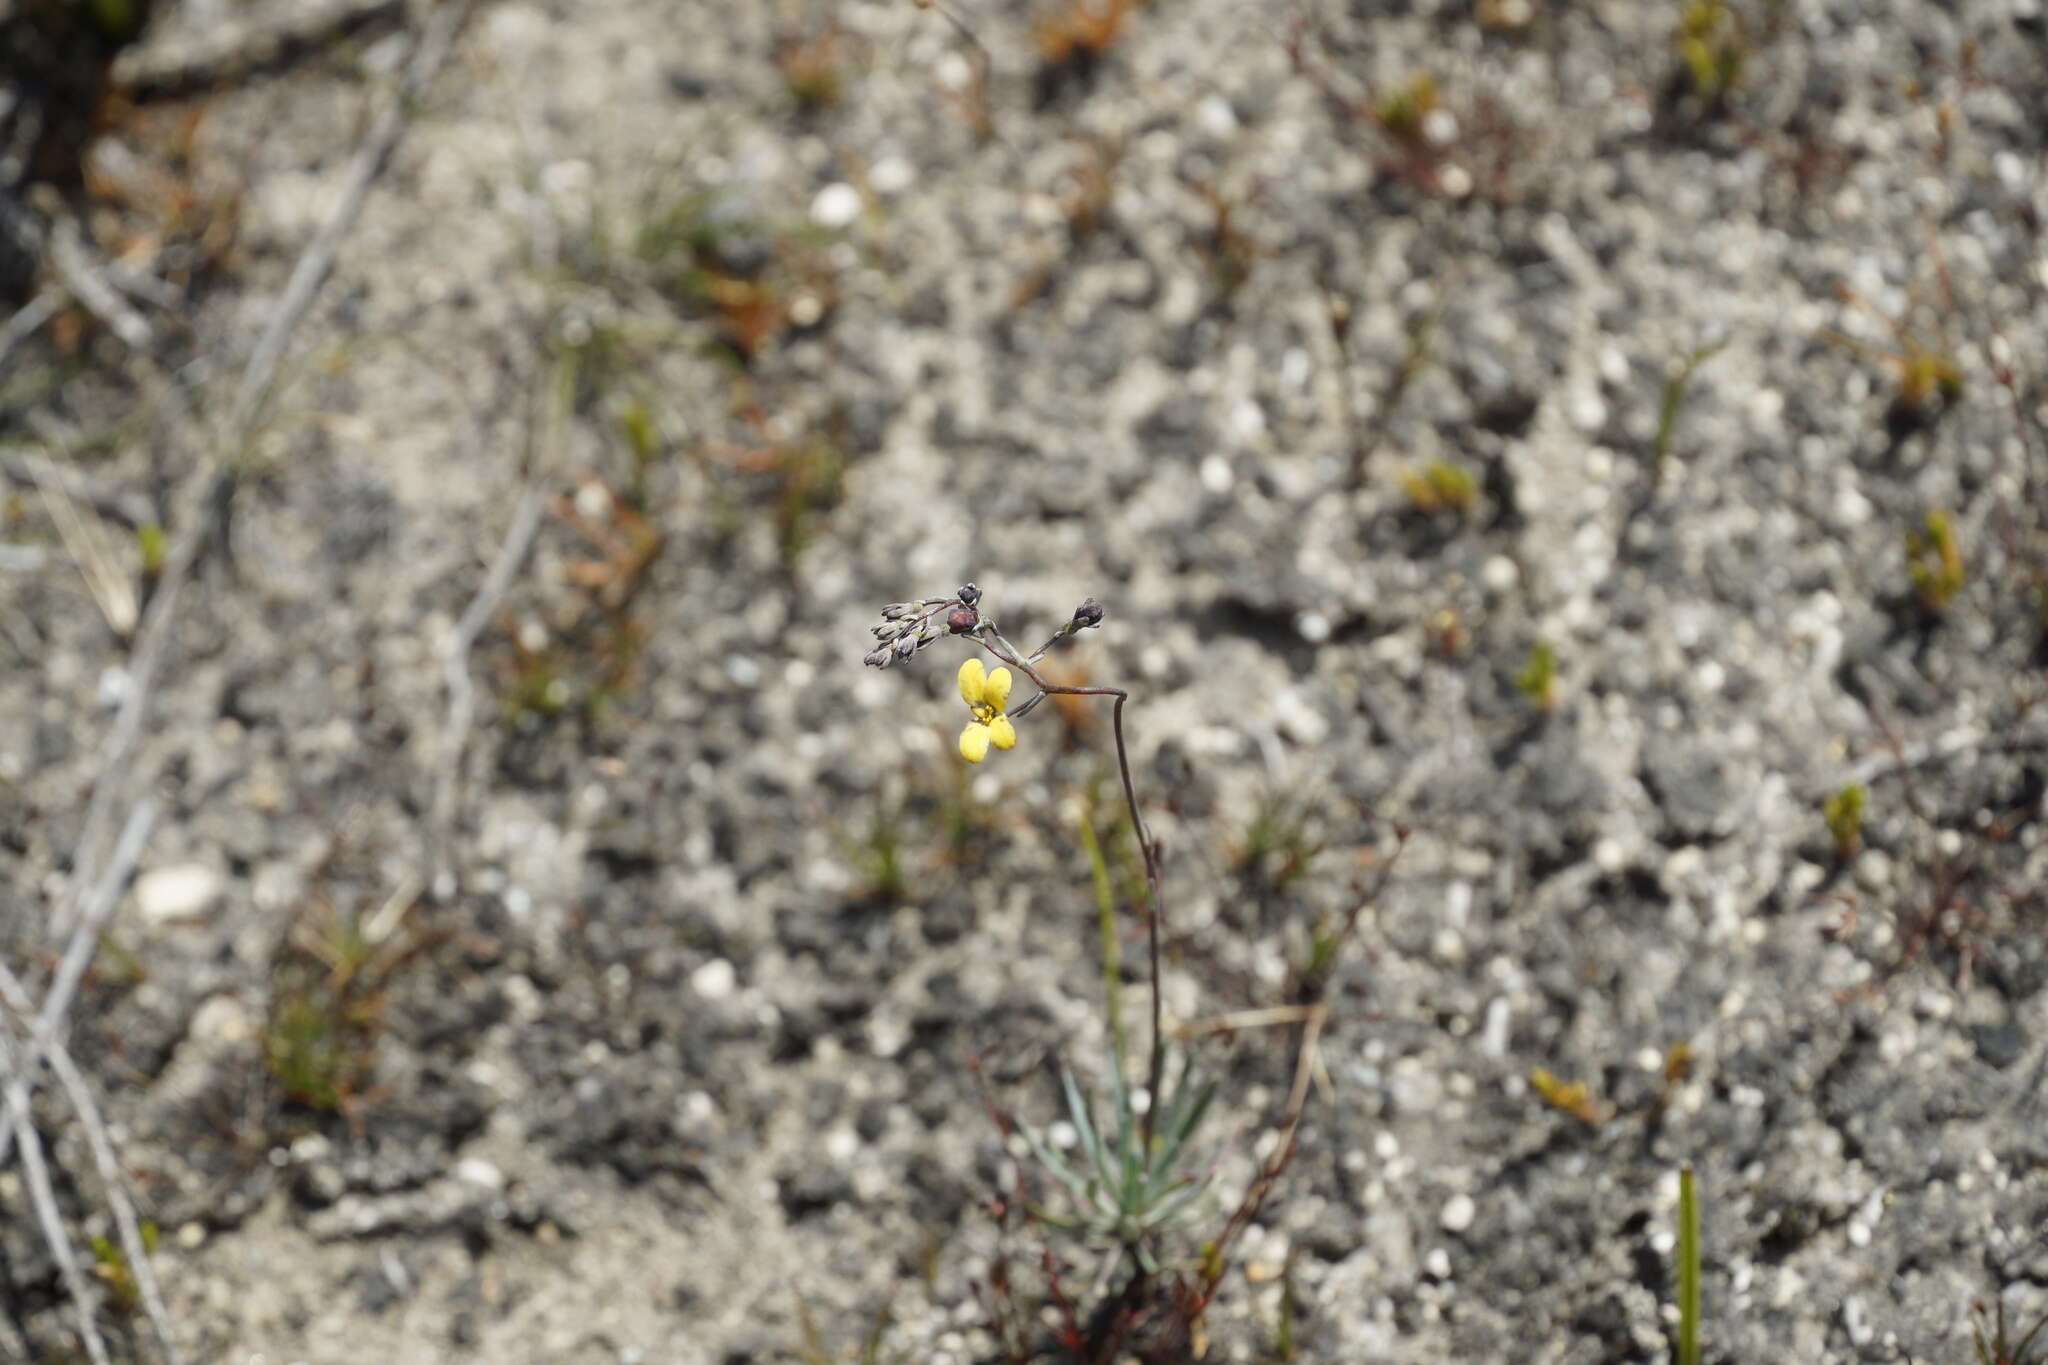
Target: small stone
714, 980
836, 206
113, 687
1216, 116
892, 175
183, 892
1458, 1212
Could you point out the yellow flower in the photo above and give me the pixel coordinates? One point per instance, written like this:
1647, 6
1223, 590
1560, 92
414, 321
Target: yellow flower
985, 694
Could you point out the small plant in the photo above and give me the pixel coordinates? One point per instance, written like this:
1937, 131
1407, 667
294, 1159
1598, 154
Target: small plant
1073, 35
1674, 398
1403, 113
973, 100
1129, 1185
1284, 1348
757, 281
1688, 1349
1536, 679
1998, 1348
111, 1265
1567, 1097
1230, 251
1843, 813
1934, 563
326, 1005
815, 1351
1440, 486
812, 68
878, 857
1711, 47
1927, 380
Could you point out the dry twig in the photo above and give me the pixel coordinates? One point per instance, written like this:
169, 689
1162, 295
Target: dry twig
81, 276
99, 908
455, 673
15, 996
36, 1171
230, 51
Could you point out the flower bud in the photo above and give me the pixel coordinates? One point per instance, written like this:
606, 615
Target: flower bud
1088, 614
906, 647
896, 611
878, 659
960, 620
968, 594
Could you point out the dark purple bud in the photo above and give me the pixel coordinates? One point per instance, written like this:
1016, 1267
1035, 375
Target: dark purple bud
960, 620
878, 659
968, 594
1088, 614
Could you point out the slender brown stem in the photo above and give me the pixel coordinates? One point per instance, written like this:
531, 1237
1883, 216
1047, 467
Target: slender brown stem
992, 639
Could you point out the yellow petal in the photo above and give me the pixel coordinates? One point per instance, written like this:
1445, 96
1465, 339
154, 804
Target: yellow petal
974, 741
971, 683
996, 691
1000, 732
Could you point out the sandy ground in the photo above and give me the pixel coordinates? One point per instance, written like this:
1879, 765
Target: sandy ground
1505, 433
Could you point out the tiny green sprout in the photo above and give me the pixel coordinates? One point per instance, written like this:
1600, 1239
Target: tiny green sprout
1844, 815
1124, 1188
1688, 1352
1934, 562
110, 1263
1999, 1348
1674, 399
815, 1351
811, 69
150, 540
1536, 679
1440, 486
1710, 43
1925, 375
1567, 1097
1401, 113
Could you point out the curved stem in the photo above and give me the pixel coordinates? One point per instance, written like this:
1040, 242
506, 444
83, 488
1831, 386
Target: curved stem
992, 639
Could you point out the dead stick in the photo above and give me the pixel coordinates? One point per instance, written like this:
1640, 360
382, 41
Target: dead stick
106, 1160
37, 1172
84, 939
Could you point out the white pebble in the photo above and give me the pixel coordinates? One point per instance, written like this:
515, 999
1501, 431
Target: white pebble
836, 206
892, 175
1458, 1213
1216, 116
715, 979
183, 892
1216, 475
113, 688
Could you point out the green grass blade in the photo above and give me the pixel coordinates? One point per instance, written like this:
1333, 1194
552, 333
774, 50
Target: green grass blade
1081, 1112
1170, 1207
1688, 1269
1162, 1169
1052, 1161
1105, 915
